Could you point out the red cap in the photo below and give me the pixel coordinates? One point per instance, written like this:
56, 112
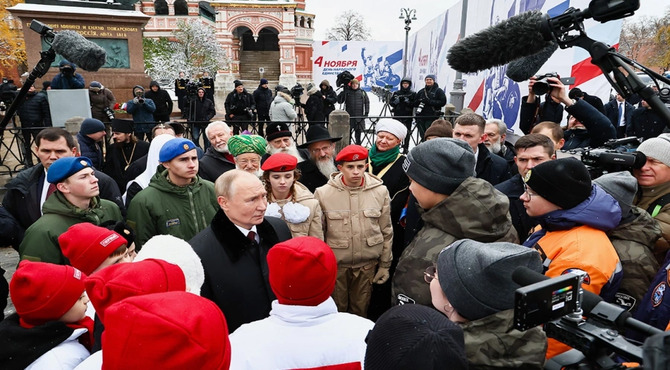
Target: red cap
117, 282
44, 292
280, 162
174, 330
302, 271
352, 153
87, 246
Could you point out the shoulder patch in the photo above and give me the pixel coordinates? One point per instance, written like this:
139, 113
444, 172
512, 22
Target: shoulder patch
624, 301
172, 222
657, 294
403, 299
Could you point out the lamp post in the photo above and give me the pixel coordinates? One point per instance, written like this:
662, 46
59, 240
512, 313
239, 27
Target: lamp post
457, 95
409, 15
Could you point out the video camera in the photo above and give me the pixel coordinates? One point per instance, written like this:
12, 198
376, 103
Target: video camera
384, 93
297, 91
343, 78
192, 88
578, 318
615, 155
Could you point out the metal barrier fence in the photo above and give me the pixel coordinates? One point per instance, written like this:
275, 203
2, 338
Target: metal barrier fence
17, 144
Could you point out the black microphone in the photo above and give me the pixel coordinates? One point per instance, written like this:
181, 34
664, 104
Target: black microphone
511, 39
78, 50
592, 304
523, 69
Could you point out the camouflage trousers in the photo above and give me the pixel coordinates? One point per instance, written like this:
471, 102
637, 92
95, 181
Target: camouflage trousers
353, 289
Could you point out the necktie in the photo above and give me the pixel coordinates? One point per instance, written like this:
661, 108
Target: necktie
252, 236
50, 190
621, 114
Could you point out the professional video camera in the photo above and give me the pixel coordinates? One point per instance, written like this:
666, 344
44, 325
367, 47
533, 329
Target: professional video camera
343, 78
192, 88
615, 155
384, 93
578, 318
296, 92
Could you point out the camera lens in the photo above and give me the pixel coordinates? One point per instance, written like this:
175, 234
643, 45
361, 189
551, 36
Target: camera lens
540, 88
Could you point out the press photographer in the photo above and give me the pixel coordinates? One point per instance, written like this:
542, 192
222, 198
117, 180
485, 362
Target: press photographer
203, 112
356, 103
142, 110
68, 78
429, 102
402, 105
240, 106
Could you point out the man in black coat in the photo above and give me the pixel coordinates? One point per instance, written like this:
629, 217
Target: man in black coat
316, 171
402, 105
34, 115
27, 192
233, 249
533, 111
239, 107
645, 123
217, 158
162, 100
263, 98
204, 111
357, 104
329, 98
125, 150
619, 112
596, 102
429, 102
470, 127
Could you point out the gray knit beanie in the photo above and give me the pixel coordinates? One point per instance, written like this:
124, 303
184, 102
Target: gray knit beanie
441, 164
622, 186
477, 277
657, 148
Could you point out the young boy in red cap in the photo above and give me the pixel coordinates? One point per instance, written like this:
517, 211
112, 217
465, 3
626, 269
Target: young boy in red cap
91, 248
358, 228
304, 330
50, 329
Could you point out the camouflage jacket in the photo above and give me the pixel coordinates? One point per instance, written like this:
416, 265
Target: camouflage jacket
648, 195
634, 243
491, 343
475, 210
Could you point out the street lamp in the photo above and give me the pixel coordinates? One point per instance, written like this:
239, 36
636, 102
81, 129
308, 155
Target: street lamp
409, 15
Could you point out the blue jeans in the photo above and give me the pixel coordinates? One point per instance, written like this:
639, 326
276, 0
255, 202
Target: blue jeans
196, 132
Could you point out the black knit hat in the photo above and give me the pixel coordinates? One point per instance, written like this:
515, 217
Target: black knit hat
564, 182
441, 164
276, 130
413, 336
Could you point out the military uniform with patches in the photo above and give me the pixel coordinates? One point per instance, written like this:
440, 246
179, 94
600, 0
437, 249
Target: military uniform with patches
654, 308
475, 210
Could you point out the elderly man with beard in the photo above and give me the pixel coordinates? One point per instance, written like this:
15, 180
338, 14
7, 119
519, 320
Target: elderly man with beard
248, 150
280, 140
125, 150
217, 158
316, 171
496, 133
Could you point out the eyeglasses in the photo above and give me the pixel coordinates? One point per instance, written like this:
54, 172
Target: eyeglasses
529, 193
244, 162
324, 149
430, 274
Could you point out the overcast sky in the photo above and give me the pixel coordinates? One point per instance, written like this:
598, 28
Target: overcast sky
382, 16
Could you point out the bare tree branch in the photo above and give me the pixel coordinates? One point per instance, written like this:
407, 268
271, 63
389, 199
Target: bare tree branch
349, 26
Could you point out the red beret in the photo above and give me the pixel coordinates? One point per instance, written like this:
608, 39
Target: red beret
352, 153
280, 162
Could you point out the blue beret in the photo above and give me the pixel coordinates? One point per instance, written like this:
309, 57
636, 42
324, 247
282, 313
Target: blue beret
175, 148
66, 167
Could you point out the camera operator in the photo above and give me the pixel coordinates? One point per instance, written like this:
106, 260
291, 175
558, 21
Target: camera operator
654, 193
281, 109
429, 102
34, 113
7, 92
102, 102
329, 98
142, 110
402, 104
533, 111
204, 112
586, 125
207, 83
357, 104
68, 78
240, 106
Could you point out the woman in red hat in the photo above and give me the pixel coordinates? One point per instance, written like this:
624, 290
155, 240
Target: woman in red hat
290, 200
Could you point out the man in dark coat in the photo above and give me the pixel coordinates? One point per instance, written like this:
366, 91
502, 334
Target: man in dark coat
181, 92
217, 158
27, 192
314, 105
234, 247
357, 104
239, 107
329, 98
34, 114
429, 102
125, 150
162, 100
204, 112
596, 102
402, 105
91, 134
645, 123
316, 171
619, 112
470, 127
263, 98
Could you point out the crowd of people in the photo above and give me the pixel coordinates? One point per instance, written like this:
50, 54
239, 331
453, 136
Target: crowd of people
260, 252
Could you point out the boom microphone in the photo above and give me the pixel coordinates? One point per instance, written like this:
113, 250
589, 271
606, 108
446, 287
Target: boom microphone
78, 50
523, 69
511, 39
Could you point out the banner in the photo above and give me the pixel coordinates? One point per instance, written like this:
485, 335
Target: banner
373, 63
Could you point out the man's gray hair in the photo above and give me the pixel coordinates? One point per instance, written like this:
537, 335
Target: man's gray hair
502, 127
217, 124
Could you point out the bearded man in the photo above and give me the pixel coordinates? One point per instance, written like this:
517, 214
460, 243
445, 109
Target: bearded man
496, 133
248, 150
280, 140
125, 150
217, 158
316, 171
